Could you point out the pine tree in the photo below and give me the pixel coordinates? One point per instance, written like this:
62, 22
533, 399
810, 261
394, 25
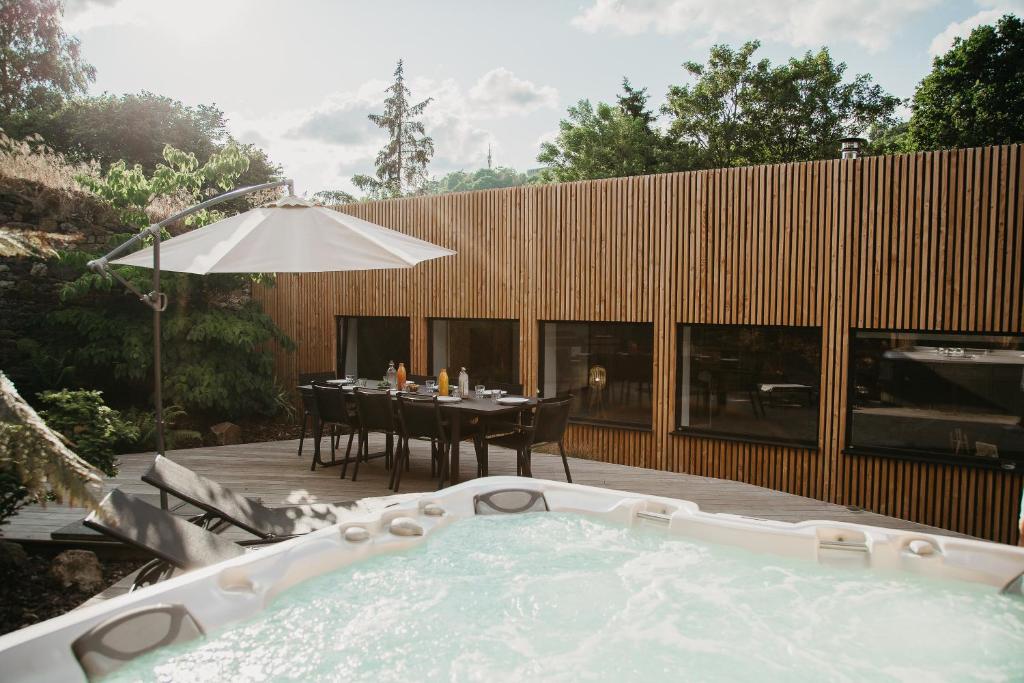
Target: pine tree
402, 163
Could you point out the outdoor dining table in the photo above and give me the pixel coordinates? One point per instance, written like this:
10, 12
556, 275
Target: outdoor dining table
485, 409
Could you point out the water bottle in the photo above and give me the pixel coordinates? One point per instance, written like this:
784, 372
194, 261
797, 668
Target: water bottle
392, 375
463, 382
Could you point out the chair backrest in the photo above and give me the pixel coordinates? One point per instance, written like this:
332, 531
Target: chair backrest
508, 387
421, 379
308, 400
330, 403
310, 377
209, 496
550, 420
420, 418
112, 643
158, 532
374, 410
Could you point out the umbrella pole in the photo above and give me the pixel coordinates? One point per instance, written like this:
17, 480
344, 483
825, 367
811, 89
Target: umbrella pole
158, 402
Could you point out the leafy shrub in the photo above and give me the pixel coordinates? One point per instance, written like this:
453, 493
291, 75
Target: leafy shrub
96, 431
144, 422
13, 494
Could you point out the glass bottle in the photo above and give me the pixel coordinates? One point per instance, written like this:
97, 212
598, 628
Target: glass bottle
392, 376
442, 383
463, 382
401, 376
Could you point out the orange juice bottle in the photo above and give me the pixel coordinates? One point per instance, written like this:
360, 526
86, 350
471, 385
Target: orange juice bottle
442, 383
401, 376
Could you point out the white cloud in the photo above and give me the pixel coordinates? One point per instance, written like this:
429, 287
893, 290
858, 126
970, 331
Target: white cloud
183, 19
872, 24
961, 29
501, 93
342, 118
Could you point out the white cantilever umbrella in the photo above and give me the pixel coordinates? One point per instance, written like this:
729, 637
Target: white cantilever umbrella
290, 235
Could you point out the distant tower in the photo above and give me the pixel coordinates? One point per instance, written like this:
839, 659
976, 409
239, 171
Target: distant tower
488, 156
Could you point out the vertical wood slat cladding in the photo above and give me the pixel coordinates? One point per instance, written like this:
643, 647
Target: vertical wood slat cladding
929, 241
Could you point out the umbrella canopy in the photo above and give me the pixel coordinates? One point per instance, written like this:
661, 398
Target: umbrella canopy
290, 235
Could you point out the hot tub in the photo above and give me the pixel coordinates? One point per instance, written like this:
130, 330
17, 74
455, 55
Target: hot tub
587, 583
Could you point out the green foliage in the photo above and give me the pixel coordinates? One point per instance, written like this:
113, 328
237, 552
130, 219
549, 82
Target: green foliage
609, 141
135, 129
974, 94
481, 179
13, 493
402, 163
96, 431
40, 65
333, 197
738, 111
216, 355
144, 424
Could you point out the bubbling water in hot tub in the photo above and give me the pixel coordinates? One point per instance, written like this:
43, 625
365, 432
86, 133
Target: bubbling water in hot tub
559, 596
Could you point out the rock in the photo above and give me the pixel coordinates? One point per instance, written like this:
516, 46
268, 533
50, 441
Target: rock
13, 559
226, 433
405, 526
4, 268
356, 534
79, 569
433, 510
38, 270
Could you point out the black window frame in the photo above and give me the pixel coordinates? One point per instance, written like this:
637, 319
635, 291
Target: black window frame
516, 361
617, 424
918, 455
699, 432
341, 339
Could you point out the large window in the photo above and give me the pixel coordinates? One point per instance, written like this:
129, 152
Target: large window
488, 349
607, 367
750, 382
366, 344
937, 395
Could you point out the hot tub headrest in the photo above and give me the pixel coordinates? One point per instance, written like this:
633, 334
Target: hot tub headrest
509, 501
113, 643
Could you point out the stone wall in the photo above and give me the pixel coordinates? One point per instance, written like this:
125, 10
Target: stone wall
35, 223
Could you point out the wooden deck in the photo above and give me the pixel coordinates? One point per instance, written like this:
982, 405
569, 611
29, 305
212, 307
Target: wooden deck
273, 472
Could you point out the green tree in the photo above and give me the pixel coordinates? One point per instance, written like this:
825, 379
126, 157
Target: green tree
216, 355
974, 94
608, 141
40, 65
480, 179
740, 111
402, 163
333, 197
135, 129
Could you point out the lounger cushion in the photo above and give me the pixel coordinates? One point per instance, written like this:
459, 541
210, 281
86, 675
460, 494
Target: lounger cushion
170, 538
248, 514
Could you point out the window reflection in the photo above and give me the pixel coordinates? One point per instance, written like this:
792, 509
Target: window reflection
607, 367
750, 381
946, 395
488, 349
366, 344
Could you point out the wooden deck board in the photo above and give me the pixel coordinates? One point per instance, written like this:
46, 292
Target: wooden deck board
272, 472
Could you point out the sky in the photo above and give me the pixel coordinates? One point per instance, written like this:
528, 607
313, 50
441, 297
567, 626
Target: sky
298, 77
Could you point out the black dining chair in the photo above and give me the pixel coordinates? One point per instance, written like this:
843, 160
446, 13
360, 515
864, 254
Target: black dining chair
420, 418
420, 379
375, 414
547, 426
334, 411
309, 412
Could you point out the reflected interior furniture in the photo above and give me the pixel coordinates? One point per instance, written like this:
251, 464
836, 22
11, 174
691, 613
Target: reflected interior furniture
597, 382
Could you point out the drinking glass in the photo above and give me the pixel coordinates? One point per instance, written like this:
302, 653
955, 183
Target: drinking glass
455, 392
479, 389
350, 378
431, 385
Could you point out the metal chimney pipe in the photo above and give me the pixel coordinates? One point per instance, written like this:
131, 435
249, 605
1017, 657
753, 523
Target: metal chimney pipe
850, 147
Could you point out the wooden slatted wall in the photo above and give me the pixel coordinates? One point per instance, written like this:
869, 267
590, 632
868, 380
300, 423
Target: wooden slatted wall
929, 241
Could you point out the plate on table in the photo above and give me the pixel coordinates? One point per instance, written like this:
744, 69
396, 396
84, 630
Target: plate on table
342, 382
448, 399
513, 400
494, 392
